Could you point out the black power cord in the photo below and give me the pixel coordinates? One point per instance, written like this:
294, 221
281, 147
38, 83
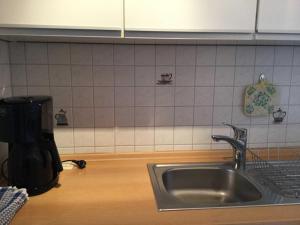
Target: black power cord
81, 164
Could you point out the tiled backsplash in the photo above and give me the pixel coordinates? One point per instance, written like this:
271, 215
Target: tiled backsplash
114, 103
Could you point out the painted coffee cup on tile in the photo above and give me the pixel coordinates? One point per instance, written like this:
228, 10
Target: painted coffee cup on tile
166, 76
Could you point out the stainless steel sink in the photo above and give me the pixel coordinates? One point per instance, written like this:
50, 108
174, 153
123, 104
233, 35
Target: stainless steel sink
209, 186
196, 186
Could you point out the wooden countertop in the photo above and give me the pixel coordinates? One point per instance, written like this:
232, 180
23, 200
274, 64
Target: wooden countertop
116, 190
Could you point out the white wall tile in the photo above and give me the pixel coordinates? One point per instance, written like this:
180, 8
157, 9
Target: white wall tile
164, 148
164, 136
258, 134
36, 53
224, 76
124, 55
183, 135
144, 75
282, 75
164, 96
124, 96
184, 96
164, 116
82, 76
264, 55
18, 75
102, 54
284, 94
206, 55
60, 75
185, 75
283, 55
84, 137
103, 75
144, 96
81, 54
204, 96
245, 55
124, 117
185, 55
222, 114
165, 55
296, 58
144, 116
144, 136
38, 90
184, 116
64, 137
276, 133
59, 53
124, 75
244, 75
294, 114
238, 116
144, 55
223, 96
106, 149
295, 76
203, 115
37, 75
238, 96
18, 91
104, 117
83, 117
205, 76
84, 149
17, 52
4, 53
104, 137
104, 96
294, 95
293, 133
202, 135
124, 149
124, 136
83, 97
62, 96
225, 55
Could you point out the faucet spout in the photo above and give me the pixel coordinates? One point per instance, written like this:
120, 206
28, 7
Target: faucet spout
239, 148
236, 144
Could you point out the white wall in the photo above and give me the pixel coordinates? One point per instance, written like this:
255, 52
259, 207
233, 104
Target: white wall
114, 104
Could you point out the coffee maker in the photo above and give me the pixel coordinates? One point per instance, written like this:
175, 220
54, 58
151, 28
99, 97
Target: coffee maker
26, 124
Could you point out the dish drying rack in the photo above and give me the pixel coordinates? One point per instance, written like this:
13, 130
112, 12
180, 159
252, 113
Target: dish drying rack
283, 177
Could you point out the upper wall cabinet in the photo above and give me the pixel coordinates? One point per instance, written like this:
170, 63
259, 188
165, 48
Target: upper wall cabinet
66, 14
279, 16
229, 16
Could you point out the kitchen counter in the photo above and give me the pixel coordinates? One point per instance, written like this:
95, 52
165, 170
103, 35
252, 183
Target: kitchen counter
115, 189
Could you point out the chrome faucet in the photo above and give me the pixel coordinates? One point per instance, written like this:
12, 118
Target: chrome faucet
238, 143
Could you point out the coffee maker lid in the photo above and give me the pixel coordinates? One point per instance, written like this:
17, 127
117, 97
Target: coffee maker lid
26, 99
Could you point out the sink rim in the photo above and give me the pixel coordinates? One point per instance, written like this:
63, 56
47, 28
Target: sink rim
165, 202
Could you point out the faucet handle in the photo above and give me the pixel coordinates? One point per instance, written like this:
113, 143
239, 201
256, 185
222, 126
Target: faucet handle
239, 133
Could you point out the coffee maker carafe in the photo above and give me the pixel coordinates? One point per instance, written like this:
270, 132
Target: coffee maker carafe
26, 124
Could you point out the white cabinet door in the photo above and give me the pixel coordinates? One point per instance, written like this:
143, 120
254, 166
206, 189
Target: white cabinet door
190, 15
279, 16
73, 14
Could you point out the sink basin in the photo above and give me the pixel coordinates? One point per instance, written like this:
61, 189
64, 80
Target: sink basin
211, 186
199, 185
